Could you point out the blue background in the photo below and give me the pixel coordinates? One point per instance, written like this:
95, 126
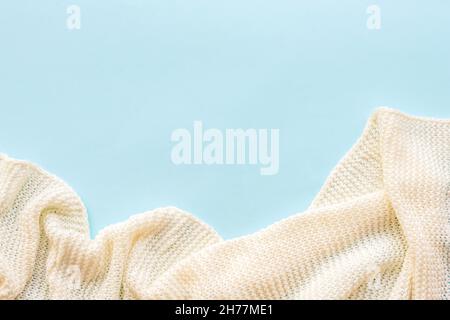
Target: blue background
97, 106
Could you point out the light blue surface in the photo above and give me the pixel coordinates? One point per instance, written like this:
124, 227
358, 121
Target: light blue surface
97, 106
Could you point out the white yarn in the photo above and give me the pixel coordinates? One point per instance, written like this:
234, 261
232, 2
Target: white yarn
379, 229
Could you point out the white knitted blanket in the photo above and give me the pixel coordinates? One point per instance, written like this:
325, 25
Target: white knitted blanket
379, 229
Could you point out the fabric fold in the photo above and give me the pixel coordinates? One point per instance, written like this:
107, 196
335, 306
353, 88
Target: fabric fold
46, 252
378, 229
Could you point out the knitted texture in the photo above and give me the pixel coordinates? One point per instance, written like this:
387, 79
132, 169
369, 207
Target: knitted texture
378, 229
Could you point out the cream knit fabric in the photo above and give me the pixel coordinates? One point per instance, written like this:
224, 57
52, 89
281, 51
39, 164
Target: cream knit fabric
379, 229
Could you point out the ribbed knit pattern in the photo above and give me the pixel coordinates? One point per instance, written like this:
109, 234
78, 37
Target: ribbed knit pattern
378, 229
